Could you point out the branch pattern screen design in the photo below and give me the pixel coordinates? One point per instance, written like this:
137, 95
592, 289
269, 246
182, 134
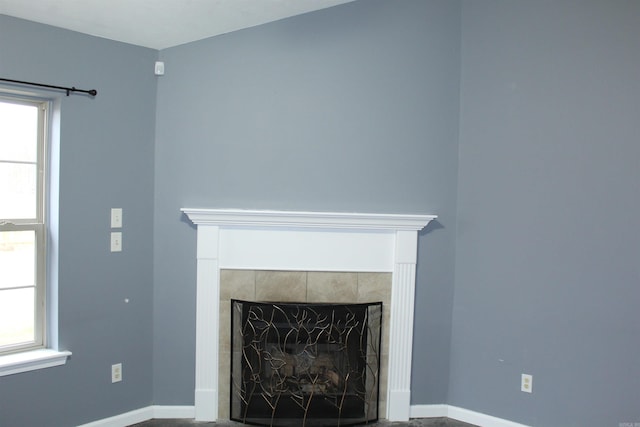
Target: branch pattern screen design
305, 364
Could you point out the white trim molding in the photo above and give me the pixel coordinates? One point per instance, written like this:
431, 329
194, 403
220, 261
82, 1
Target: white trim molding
417, 411
32, 360
289, 219
479, 418
305, 241
144, 414
126, 419
429, 411
461, 414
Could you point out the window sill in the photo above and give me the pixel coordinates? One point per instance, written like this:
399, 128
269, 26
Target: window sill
32, 360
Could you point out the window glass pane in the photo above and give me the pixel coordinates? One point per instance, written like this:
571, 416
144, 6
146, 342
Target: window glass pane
21, 201
17, 258
18, 132
18, 190
16, 316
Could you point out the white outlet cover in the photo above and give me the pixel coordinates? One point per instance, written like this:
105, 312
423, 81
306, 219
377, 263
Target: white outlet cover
116, 373
526, 383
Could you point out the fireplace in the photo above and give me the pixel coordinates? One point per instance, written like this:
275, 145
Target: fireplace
302, 364
304, 242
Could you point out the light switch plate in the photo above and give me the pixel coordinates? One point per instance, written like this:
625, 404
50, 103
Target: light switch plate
116, 241
116, 217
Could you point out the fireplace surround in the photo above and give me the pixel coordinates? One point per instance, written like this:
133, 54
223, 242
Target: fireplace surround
298, 287
305, 241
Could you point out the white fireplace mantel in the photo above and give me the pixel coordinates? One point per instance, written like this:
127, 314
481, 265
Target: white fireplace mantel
305, 241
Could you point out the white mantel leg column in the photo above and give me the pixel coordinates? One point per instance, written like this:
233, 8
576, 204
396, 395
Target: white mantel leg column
401, 333
207, 313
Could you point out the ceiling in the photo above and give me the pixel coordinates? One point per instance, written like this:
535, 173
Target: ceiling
158, 24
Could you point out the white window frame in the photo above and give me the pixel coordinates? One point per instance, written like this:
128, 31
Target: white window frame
42, 352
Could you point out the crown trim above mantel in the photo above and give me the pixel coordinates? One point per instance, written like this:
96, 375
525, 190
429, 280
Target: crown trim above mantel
297, 219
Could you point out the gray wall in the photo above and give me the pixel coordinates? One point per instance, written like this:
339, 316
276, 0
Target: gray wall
353, 108
358, 108
106, 160
548, 249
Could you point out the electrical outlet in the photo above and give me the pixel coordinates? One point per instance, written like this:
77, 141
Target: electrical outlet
526, 383
116, 373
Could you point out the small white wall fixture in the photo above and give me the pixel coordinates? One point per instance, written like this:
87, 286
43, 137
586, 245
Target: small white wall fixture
305, 241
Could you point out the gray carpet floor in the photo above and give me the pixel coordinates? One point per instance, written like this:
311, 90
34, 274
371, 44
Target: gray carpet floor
421, 422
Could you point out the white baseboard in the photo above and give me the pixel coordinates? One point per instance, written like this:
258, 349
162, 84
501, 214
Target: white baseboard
173, 411
428, 411
126, 419
144, 414
416, 411
460, 414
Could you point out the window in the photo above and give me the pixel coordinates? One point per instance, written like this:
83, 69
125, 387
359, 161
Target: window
23, 132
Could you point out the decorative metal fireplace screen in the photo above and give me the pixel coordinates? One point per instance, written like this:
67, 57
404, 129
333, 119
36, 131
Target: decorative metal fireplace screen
305, 364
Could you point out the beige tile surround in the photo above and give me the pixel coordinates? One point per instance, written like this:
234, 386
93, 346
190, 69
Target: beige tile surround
299, 286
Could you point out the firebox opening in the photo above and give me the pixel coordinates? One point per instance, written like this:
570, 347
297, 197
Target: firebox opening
305, 364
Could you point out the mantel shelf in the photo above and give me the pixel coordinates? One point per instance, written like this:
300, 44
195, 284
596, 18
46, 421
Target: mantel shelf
295, 219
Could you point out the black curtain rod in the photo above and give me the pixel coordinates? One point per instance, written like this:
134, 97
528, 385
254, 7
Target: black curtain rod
91, 92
